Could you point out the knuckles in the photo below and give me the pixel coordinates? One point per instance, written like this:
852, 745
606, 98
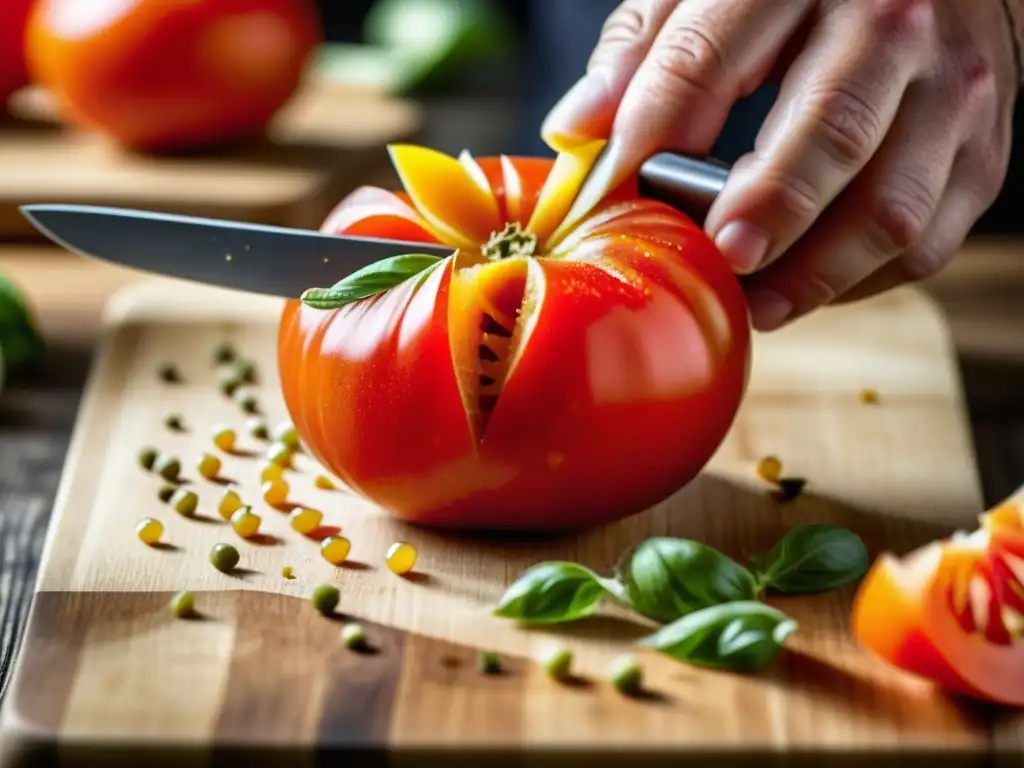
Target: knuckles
903, 22
851, 122
899, 212
688, 57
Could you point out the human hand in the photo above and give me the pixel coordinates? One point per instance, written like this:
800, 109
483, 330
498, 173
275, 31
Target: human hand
890, 137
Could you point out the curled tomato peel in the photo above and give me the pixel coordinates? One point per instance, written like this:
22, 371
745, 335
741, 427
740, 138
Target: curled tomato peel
164, 76
540, 388
952, 611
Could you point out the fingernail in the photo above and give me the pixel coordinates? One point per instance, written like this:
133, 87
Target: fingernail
572, 112
768, 309
743, 245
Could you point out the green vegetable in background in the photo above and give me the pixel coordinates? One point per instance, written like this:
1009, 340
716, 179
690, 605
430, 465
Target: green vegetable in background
21, 346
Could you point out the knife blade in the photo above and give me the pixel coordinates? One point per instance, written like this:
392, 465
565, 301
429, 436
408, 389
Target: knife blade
284, 261
258, 258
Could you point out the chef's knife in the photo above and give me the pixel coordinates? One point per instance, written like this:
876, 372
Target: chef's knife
283, 261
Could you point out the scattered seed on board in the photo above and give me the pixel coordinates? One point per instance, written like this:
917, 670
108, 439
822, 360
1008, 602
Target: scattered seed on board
790, 487
489, 662
168, 467
280, 454
401, 557
165, 493
149, 530
224, 557
305, 520
257, 428
230, 502
325, 598
183, 604
353, 636
275, 492
228, 382
223, 437
209, 466
626, 674
185, 502
286, 433
288, 572
556, 661
869, 396
147, 458
245, 370
167, 372
324, 483
335, 549
223, 353
270, 471
246, 522
769, 469
174, 421
246, 399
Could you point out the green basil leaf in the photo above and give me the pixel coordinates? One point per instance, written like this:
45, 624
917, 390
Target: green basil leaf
552, 592
666, 578
370, 280
23, 347
813, 558
745, 635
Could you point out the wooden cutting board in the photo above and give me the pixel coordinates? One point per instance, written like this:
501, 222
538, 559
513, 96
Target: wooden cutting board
326, 141
106, 670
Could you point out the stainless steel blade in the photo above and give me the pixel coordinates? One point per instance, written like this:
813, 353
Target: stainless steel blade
248, 257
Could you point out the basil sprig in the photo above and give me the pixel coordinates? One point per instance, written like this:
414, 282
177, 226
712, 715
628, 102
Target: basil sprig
707, 602
743, 635
551, 593
812, 558
667, 578
370, 280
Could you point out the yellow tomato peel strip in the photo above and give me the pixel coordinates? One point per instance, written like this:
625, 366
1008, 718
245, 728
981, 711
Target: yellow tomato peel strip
558, 194
446, 194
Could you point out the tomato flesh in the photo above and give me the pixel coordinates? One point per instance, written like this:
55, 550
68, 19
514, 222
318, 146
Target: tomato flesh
571, 386
953, 611
13, 72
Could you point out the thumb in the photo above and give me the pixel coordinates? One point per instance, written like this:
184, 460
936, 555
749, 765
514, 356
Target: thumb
587, 111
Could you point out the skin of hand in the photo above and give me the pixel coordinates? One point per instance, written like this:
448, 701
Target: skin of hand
889, 139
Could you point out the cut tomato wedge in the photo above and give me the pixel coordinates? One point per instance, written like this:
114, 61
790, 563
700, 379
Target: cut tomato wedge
953, 610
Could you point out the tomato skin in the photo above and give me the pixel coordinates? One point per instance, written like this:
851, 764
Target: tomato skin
164, 75
906, 613
14, 16
616, 400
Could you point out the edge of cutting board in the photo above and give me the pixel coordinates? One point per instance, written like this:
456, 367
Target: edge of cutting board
152, 299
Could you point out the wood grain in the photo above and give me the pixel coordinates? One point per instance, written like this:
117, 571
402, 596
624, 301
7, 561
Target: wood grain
264, 673
326, 141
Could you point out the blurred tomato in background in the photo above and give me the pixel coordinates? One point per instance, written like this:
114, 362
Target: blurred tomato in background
160, 75
13, 73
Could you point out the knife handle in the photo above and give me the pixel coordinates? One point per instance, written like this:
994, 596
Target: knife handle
688, 183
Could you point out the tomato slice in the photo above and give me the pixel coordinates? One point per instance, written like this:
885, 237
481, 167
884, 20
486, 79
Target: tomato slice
953, 610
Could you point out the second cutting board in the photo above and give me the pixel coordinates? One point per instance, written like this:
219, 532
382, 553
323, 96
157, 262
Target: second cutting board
326, 141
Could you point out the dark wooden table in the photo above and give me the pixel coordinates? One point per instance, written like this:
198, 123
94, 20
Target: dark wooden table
982, 294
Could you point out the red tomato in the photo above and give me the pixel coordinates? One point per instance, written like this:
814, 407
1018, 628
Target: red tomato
953, 611
170, 74
571, 387
13, 73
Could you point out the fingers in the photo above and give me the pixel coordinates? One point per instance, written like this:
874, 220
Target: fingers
589, 107
959, 210
881, 215
667, 74
837, 103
